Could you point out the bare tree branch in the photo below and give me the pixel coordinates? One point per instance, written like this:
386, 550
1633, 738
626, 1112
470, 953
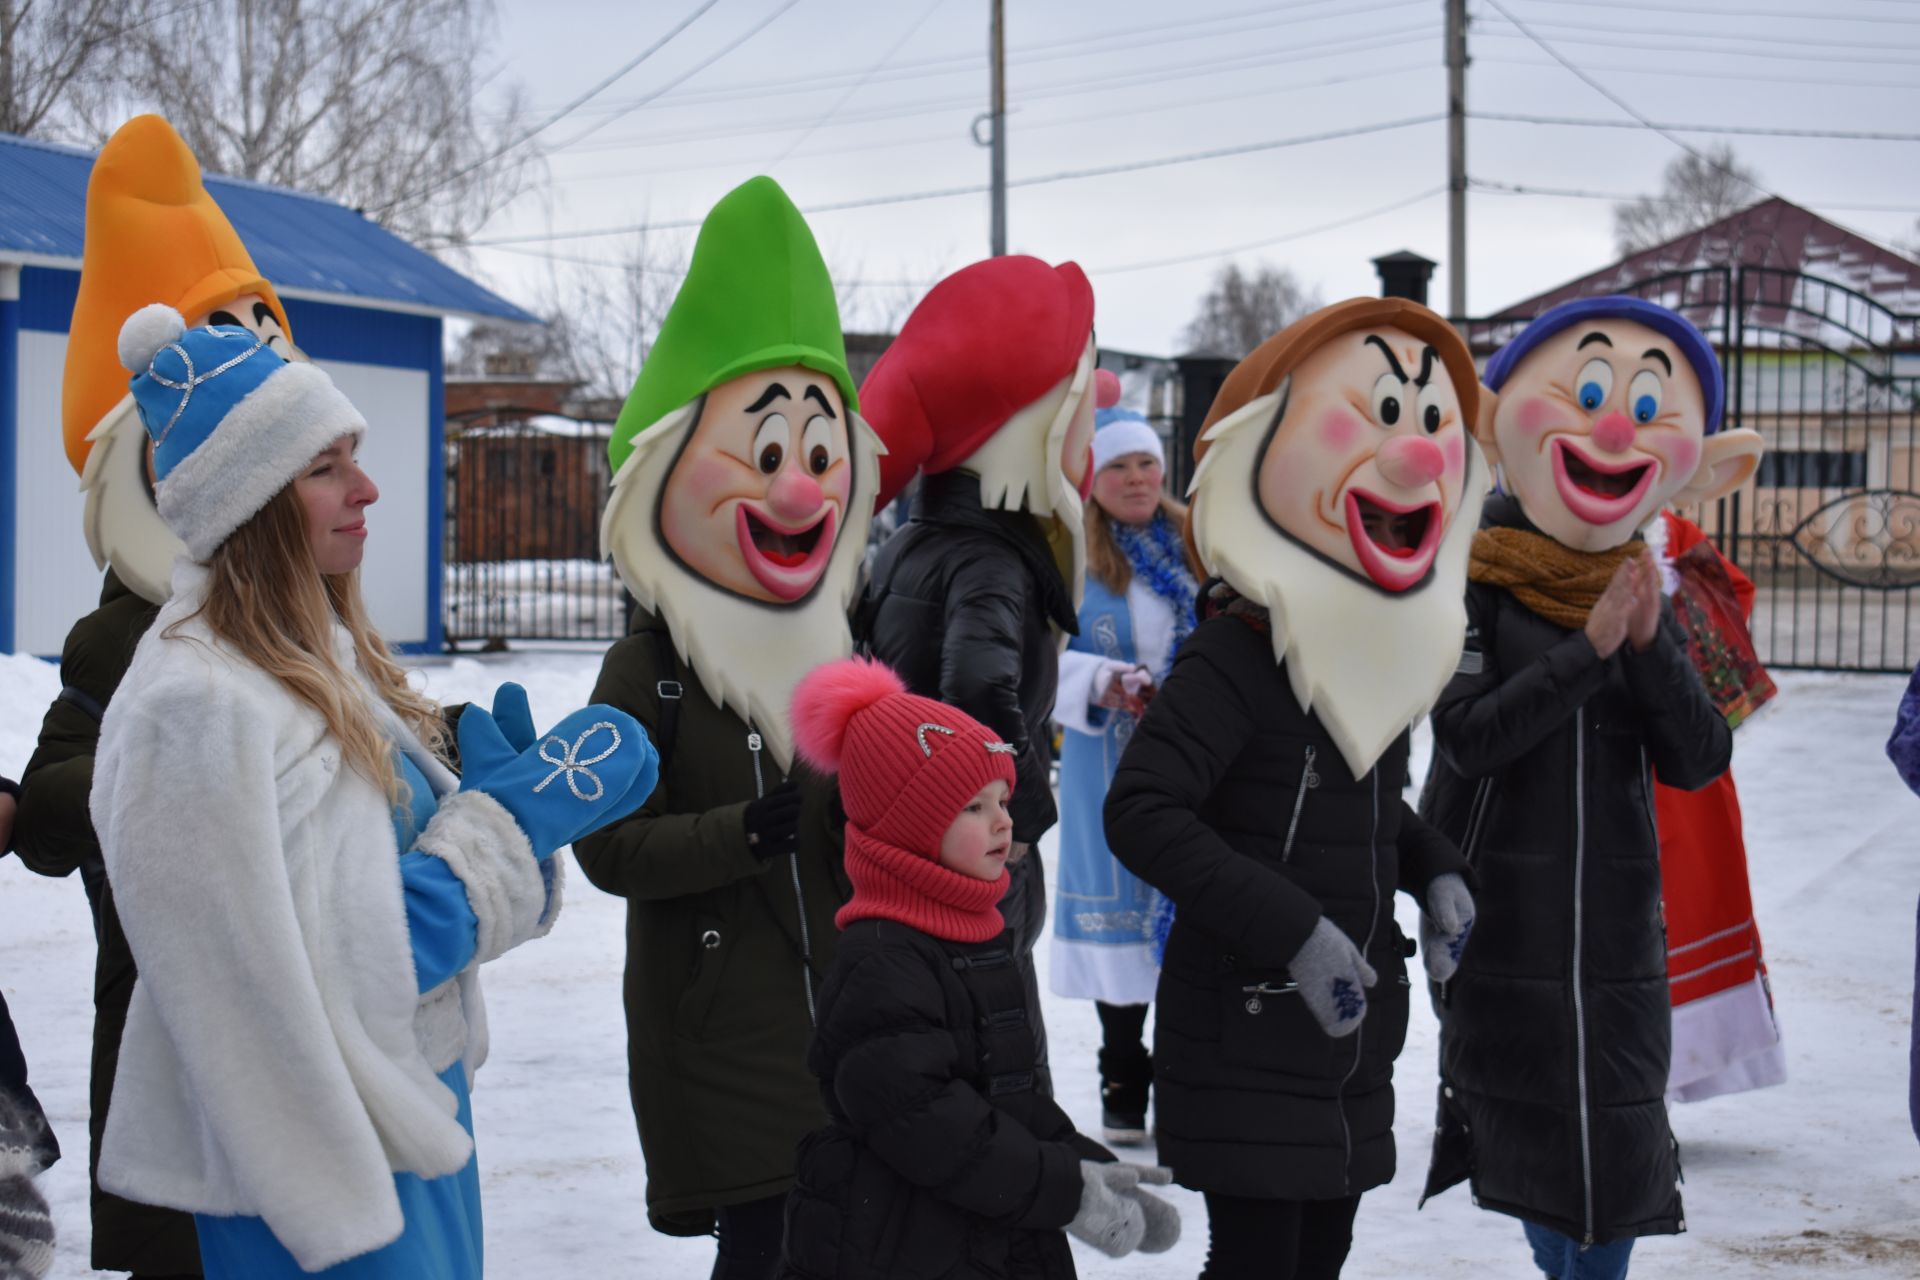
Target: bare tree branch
1245, 308
1696, 191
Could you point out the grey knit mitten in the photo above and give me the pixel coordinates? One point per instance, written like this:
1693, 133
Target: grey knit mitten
1445, 925
1162, 1219
26, 1225
1109, 1219
1333, 978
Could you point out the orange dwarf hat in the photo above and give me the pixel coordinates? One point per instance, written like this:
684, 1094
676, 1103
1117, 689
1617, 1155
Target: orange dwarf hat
153, 235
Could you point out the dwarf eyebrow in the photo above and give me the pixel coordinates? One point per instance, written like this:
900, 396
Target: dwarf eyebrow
1655, 353
263, 313
816, 394
1595, 336
1386, 351
773, 392
1426, 367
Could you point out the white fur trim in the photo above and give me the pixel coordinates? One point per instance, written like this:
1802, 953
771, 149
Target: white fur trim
1128, 435
488, 853
256, 451
144, 334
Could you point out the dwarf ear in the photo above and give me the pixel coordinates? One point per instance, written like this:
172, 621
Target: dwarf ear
1483, 426
1728, 460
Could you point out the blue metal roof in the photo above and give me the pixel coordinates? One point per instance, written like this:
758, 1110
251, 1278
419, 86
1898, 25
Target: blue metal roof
309, 246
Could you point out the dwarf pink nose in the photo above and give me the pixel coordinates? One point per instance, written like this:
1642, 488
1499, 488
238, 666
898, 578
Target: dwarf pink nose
794, 496
1614, 432
1410, 462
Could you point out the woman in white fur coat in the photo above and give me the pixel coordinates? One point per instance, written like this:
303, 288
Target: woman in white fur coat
307, 888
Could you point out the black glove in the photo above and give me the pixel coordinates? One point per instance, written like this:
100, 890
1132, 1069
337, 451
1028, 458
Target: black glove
773, 822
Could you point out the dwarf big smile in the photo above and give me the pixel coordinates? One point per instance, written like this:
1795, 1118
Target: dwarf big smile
785, 559
1598, 492
1395, 542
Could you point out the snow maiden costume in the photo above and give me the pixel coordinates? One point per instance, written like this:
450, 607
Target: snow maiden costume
152, 231
307, 1020
1336, 497
1103, 915
1555, 1032
743, 488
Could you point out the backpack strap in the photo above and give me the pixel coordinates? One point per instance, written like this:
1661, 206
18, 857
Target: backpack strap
670, 691
86, 703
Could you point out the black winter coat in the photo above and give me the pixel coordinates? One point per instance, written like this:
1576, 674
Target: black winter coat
1236, 804
56, 838
1556, 1032
962, 605
941, 1159
723, 949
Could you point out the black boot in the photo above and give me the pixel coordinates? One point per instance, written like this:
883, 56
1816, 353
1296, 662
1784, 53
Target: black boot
1125, 1076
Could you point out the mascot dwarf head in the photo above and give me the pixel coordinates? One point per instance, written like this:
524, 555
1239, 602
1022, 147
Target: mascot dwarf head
1339, 487
992, 374
1608, 409
152, 233
744, 477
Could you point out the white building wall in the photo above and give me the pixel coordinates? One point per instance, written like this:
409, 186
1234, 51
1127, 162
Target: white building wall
55, 581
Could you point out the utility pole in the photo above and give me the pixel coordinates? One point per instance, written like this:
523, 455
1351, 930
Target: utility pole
1456, 159
998, 56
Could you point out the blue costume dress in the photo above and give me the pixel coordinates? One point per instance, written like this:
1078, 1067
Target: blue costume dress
442, 1237
1103, 914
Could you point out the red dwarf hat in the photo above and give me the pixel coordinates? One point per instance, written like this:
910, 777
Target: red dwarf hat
985, 342
908, 765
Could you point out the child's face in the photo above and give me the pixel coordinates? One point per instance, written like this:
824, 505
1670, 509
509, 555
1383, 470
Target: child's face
976, 844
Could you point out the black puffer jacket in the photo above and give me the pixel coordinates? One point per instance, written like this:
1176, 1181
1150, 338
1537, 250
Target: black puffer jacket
1555, 1033
1236, 804
941, 1160
962, 605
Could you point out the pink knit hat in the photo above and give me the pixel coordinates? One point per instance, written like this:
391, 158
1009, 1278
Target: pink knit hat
908, 765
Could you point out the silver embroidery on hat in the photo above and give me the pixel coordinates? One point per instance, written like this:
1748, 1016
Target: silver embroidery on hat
1000, 748
922, 732
193, 379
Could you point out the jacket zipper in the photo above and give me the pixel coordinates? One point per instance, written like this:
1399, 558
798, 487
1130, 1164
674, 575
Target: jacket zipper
1579, 1001
1308, 778
1366, 948
1469, 841
799, 895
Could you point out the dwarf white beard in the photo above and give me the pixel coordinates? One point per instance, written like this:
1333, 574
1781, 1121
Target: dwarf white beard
123, 526
1019, 469
747, 654
1369, 663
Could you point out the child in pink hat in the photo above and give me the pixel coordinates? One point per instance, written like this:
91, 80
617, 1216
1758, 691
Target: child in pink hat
941, 1156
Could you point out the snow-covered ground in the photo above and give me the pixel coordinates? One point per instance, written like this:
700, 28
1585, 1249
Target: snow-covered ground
1818, 1178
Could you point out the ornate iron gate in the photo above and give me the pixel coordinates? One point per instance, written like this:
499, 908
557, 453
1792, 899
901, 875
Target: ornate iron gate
1829, 529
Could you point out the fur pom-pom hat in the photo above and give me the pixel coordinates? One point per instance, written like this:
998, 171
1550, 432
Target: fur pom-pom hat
232, 422
907, 765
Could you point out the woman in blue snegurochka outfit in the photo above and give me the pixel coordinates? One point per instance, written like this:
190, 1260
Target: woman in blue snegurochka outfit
308, 889
1139, 606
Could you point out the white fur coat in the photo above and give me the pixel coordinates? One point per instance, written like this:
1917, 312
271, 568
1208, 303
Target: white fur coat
278, 1060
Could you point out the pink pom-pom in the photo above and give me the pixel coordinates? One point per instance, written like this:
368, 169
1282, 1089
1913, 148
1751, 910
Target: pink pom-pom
828, 697
1106, 388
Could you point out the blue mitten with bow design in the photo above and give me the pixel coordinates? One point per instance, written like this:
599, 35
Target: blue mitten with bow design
594, 767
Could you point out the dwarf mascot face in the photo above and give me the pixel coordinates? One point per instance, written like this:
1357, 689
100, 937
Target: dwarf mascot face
153, 233
744, 476
1353, 426
1608, 410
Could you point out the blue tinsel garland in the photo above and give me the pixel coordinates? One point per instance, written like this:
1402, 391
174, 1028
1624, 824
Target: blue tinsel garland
1160, 559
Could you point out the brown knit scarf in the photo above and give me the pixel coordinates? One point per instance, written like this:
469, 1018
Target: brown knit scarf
1559, 584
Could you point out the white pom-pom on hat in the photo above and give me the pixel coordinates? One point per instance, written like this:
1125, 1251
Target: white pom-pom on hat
146, 332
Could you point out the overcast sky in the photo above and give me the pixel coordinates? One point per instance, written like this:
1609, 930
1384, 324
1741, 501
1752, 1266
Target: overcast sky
845, 100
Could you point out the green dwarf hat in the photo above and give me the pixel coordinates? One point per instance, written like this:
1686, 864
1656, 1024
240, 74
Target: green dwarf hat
756, 297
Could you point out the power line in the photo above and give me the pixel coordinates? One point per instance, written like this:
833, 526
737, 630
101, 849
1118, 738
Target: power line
1068, 175
685, 76
1854, 135
1619, 197
557, 116
841, 101
1718, 47
1693, 73
1742, 14
1662, 33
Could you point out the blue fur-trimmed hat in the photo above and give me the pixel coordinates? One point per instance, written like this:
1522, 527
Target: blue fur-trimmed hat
232, 422
1671, 325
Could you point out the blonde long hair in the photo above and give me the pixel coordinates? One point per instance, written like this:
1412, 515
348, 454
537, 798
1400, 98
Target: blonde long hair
268, 599
1107, 563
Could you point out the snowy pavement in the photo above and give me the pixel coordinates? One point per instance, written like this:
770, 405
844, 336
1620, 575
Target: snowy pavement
1817, 1178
